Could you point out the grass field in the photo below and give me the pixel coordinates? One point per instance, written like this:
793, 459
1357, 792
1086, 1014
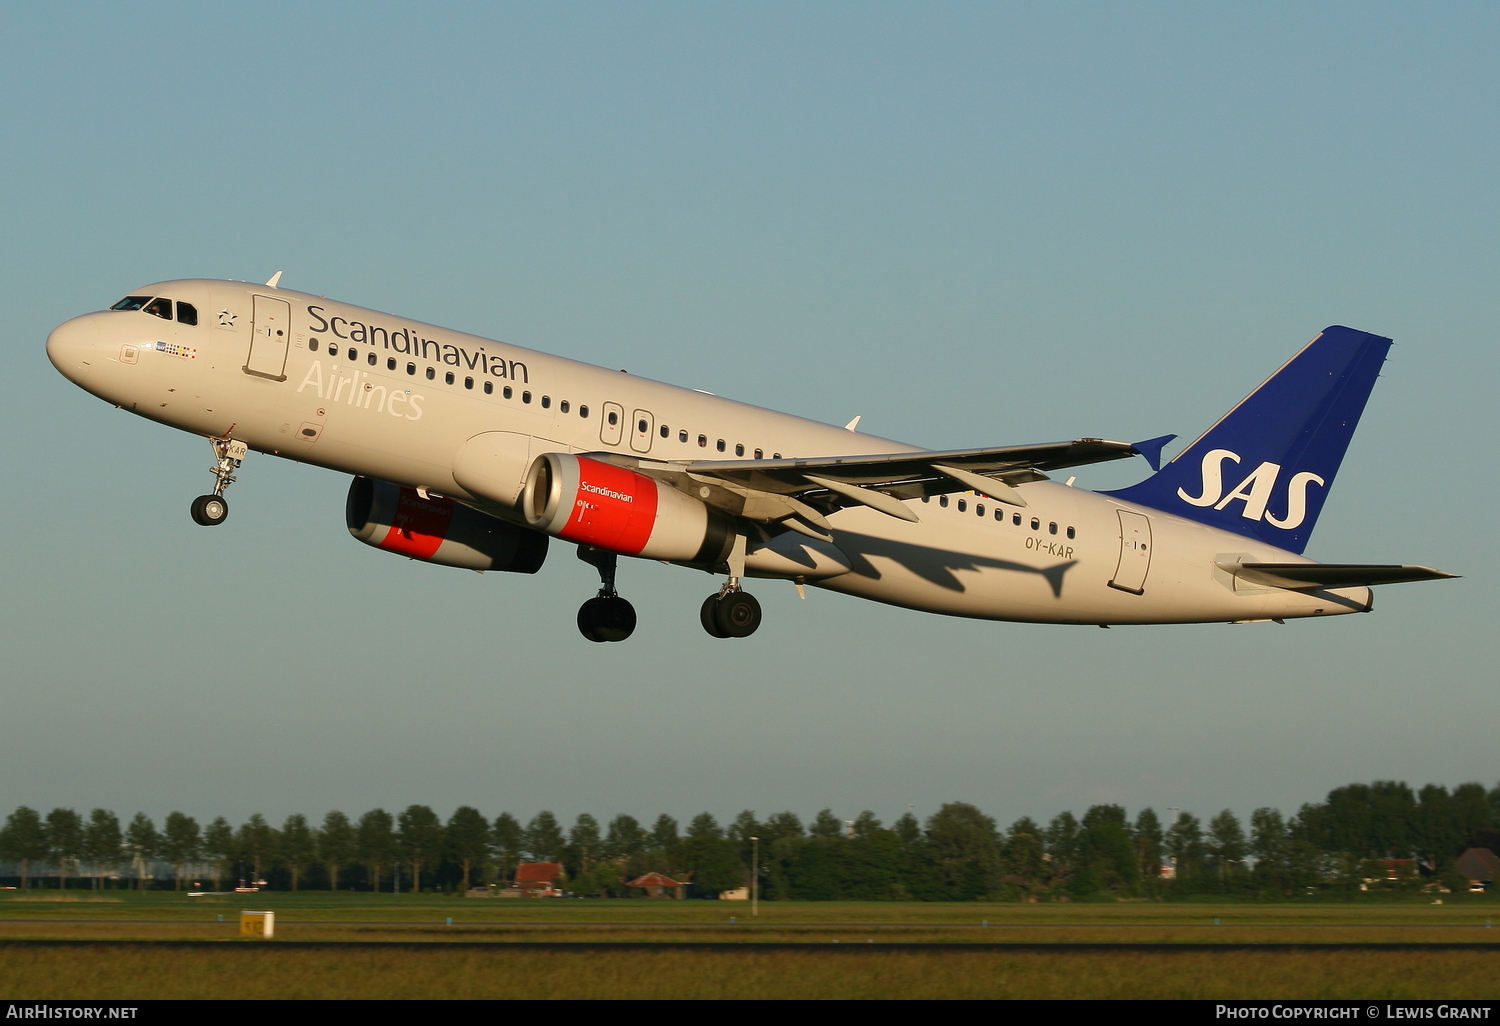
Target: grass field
163, 945
418, 971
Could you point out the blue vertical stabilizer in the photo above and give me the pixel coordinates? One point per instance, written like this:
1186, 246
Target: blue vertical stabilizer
1265, 468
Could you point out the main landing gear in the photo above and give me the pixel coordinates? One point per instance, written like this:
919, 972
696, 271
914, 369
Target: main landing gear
606, 617
731, 613
212, 510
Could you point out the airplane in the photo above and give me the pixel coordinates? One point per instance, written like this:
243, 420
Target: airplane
472, 453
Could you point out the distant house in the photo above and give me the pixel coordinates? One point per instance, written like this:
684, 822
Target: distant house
1399, 869
539, 879
657, 885
1480, 865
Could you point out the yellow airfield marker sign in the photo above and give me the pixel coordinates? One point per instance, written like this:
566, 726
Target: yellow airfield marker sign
260, 925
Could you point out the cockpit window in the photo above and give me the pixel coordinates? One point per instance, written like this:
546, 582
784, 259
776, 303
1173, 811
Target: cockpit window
187, 313
131, 303
161, 306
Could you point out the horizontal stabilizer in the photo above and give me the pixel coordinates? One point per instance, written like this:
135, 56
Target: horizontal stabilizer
1330, 575
1151, 449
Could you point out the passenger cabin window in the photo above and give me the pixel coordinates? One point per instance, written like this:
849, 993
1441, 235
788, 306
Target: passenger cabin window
979, 509
682, 436
943, 501
371, 359
507, 393
1051, 528
390, 363
739, 450
546, 401
1036, 525
448, 378
963, 505
411, 368
525, 397
1015, 518
703, 441
642, 428
431, 373
564, 406
614, 418
468, 382
759, 455
721, 445
312, 344
161, 307
583, 411
353, 354
333, 349
489, 387
1072, 534
131, 303
666, 432
187, 313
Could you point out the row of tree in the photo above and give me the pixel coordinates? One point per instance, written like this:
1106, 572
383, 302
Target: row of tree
958, 854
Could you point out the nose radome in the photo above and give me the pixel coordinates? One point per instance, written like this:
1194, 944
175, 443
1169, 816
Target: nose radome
73, 346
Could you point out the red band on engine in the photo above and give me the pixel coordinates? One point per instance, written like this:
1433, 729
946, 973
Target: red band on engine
419, 525
614, 508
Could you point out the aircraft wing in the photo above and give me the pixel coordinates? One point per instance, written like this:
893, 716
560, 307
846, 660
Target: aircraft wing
885, 470
1330, 575
800, 493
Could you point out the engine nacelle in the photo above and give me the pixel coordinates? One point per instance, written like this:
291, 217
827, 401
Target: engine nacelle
439, 530
615, 508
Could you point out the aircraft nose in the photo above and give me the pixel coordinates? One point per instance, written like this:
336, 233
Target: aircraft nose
73, 346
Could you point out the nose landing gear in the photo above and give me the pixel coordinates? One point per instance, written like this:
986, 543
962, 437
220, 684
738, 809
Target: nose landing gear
606, 617
212, 510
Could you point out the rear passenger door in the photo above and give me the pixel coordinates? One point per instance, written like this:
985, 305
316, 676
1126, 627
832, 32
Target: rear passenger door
270, 330
1135, 553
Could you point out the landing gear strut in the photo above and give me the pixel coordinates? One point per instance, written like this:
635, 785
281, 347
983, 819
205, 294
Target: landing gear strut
606, 617
212, 510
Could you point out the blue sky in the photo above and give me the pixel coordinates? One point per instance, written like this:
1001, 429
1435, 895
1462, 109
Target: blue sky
967, 223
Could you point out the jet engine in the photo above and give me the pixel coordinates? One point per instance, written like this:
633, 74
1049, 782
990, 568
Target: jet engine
618, 509
439, 530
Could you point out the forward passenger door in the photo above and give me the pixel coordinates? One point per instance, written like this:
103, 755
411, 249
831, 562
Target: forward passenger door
270, 331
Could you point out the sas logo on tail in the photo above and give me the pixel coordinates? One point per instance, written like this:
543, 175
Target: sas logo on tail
1254, 491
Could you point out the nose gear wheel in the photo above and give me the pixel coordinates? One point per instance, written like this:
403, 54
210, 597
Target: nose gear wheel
210, 510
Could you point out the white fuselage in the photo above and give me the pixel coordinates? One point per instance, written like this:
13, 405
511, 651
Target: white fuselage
392, 413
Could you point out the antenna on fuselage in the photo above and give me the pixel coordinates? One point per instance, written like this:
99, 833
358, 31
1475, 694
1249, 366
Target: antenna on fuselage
274, 279
852, 424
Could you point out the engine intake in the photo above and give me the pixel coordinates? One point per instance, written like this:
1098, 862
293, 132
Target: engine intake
439, 530
583, 500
